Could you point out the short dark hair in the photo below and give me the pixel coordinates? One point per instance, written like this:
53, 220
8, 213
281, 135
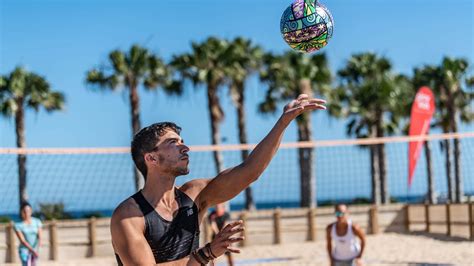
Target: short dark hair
145, 141
24, 204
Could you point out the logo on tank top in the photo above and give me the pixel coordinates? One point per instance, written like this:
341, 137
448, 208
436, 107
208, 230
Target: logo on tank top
190, 212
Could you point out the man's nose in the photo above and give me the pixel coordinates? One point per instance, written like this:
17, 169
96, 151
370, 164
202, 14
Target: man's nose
185, 149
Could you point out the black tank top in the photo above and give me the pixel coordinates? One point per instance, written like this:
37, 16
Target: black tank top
170, 240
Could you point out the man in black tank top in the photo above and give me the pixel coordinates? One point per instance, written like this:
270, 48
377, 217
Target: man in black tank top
160, 223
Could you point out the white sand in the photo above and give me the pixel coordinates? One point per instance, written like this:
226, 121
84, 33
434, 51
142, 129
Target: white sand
383, 249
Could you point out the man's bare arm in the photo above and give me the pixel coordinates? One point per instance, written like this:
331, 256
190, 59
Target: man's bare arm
232, 181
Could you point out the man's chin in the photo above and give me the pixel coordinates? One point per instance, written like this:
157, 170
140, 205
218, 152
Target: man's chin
183, 172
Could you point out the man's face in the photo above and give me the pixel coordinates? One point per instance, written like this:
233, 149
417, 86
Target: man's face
171, 154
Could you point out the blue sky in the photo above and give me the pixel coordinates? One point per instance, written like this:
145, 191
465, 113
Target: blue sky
61, 40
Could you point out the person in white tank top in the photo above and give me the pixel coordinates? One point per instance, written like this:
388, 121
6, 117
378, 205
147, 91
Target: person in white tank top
343, 247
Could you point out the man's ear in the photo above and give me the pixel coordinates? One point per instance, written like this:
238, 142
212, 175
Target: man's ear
150, 158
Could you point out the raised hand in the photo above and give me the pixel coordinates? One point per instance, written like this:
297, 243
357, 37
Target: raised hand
225, 238
302, 104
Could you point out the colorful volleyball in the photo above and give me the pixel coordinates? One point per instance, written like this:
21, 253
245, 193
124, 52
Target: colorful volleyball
306, 26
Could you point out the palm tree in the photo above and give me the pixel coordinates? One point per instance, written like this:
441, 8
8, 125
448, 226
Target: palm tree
369, 94
128, 71
458, 105
243, 59
19, 91
453, 102
287, 76
205, 65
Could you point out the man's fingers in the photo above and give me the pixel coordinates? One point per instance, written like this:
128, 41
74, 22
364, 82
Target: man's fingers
310, 106
236, 239
318, 101
236, 230
233, 231
233, 250
315, 106
302, 97
232, 225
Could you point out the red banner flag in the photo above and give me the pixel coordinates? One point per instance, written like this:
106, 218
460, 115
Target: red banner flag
421, 114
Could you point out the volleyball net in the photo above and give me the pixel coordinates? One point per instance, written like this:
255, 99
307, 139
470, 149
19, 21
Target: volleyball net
92, 180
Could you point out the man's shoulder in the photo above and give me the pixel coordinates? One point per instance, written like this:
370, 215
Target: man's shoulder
193, 187
127, 209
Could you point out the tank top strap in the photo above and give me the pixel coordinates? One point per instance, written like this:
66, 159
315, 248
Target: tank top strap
183, 199
350, 233
143, 204
349, 226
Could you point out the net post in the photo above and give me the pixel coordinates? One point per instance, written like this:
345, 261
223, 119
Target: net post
311, 226
277, 226
427, 218
448, 219
470, 206
91, 226
10, 239
53, 240
374, 219
407, 218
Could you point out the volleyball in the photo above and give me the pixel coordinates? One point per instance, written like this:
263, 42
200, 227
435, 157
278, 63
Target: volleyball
306, 26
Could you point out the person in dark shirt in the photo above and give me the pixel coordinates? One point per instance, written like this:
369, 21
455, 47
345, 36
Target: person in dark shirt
160, 223
218, 218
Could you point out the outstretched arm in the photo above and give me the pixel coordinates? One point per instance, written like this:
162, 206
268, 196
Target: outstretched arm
232, 181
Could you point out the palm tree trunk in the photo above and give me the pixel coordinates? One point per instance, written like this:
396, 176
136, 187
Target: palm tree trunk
449, 176
459, 193
457, 170
429, 172
306, 158
240, 105
216, 115
135, 111
21, 143
458, 188
306, 155
375, 171
385, 192
384, 189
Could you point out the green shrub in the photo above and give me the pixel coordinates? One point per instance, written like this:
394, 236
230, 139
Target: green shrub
5, 219
49, 211
93, 214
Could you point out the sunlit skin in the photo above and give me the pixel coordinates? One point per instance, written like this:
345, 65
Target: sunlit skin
169, 160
